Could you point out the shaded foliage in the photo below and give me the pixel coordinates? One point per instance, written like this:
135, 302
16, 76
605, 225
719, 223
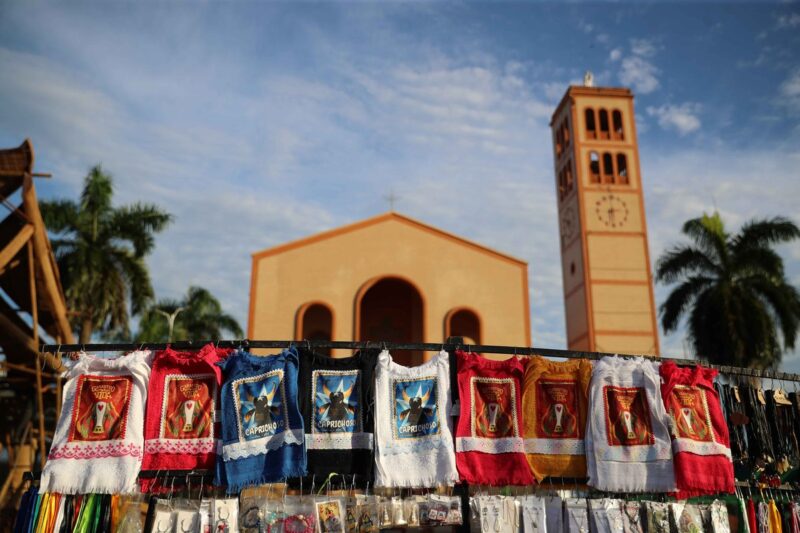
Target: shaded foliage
101, 250
201, 318
731, 291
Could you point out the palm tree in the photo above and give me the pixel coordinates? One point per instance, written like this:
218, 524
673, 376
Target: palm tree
198, 316
739, 307
100, 251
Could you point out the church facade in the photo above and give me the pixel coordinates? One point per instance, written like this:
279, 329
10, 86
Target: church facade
389, 278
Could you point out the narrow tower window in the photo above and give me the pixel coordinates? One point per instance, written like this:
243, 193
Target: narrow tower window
622, 169
616, 118
594, 167
591, 127
608, 168
604, 124
566, 134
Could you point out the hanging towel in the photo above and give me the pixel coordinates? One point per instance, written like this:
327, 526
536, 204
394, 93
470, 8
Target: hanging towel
414, 444
700, 442
262, 430
554, 400
337, 396
627, 441
489, 445
180, 431
97, 446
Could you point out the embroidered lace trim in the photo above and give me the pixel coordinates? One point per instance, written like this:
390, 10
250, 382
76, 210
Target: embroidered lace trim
180, 446
338, 441
555, 446
700, 448
95, 451
240, 450
416, 446
476, 444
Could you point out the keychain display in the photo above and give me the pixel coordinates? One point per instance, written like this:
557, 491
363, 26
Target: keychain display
330, 516
225, 515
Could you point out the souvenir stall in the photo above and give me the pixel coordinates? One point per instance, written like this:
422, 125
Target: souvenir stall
214, 437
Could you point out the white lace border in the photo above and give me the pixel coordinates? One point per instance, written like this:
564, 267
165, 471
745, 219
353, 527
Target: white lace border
250, 448
338, 441
476, 444
555, 446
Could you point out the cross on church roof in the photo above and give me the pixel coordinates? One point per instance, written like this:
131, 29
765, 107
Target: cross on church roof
392, 199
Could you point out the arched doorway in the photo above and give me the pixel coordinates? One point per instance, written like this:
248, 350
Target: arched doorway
391, 309
463, 322
314, 322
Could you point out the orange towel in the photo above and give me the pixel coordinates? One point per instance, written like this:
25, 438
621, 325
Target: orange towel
554, 416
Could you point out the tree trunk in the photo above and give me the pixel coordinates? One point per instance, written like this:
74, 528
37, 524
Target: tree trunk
86, 331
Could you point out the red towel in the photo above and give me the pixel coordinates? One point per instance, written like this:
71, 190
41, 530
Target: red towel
700, 440
183, 397
489, 446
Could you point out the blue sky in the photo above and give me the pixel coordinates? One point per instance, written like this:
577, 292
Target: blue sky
257, 123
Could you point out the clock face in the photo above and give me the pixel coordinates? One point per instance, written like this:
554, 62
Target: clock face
611, 210
569, 224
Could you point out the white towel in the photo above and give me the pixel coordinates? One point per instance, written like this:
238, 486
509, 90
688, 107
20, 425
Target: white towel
97, 446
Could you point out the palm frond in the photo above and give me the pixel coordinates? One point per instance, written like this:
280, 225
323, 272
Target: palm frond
683, 261
763, 233
60, 216
709, 234
680, 299
98, 188
137, 224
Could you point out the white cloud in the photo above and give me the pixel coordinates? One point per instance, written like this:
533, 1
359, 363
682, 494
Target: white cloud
790, 90
615, 54
788, 21
680, 118
643, 47
640, 74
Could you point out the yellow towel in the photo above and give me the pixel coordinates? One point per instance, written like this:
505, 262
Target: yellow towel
554, 416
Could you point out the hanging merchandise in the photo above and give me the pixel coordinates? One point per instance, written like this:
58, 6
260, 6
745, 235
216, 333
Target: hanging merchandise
489, 445
783, 424
606, 515
180, 431
719, 517
632, 521
657, 514
534, 517
554, 512
97, 446
262, 431
414, 444
759, 439
554, 406
686, 517
700, 444
498, 514
336, 399
628, 447
576, 515
734, 410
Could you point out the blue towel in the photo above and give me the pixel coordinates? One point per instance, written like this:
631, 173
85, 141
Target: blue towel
262, 430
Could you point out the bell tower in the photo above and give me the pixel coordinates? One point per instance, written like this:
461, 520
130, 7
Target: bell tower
608, 282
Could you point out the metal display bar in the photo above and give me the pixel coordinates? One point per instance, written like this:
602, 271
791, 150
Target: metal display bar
430, 347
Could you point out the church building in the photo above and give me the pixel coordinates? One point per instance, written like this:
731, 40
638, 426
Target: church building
389, 278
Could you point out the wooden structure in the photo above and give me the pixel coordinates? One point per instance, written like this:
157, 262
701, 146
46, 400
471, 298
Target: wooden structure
32, 304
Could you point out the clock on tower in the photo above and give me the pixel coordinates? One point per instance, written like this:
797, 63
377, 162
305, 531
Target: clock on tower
608, 282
